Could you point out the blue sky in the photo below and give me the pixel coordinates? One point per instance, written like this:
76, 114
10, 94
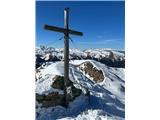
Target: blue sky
102, 22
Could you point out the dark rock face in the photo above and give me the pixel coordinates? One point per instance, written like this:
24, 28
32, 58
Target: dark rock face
122, 88
54, 98
58, 83
93, 72
50, 100
109, 62
39, 61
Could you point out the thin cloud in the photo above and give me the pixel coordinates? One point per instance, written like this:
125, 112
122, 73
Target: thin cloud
99, 36
101, 41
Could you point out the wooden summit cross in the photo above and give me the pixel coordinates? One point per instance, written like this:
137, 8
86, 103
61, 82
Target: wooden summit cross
66, 31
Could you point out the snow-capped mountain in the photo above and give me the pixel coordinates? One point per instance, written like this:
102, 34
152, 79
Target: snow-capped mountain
112, 58
97, 91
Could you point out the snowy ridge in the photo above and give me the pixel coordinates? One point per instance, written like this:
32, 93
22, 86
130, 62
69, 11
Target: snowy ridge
106, 100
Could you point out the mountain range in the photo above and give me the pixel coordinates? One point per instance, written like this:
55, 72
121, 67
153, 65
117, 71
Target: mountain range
96, 84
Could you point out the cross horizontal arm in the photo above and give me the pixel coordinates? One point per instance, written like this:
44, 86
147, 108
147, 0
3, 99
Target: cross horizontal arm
54, 28
75, 33
62, 30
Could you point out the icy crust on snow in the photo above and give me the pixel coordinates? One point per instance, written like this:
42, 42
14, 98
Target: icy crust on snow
105, 95
93, 115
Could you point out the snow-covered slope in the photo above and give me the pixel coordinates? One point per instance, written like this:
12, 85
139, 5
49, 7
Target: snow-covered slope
106, 100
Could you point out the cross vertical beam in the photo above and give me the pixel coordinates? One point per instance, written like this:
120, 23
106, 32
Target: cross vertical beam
66, 31
66, 52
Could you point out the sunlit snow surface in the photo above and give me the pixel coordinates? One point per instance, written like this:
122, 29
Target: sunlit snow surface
106, 100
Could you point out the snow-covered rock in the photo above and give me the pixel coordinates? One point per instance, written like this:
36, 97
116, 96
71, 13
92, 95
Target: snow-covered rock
105, 99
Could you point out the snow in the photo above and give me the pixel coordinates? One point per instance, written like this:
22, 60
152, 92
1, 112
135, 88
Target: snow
106, 101
93, 53
56, 68
43, 85
93, 115
77, 62
52, 113
116, 74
